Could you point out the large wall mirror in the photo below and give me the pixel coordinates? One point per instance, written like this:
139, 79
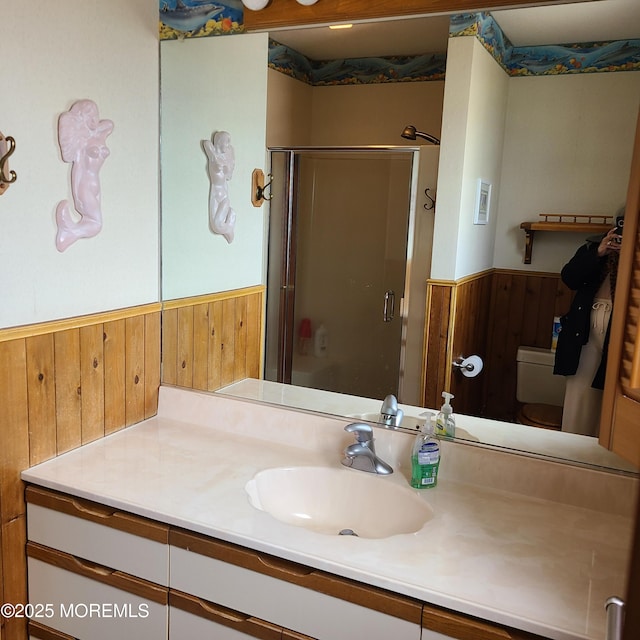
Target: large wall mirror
588, 117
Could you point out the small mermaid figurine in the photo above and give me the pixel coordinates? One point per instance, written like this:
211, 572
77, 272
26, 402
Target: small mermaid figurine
82, 138
222, 218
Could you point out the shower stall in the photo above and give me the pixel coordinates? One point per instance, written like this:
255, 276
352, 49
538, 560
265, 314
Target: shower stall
341, 237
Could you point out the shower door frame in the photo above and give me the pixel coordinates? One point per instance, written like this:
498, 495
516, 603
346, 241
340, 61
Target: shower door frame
286, 301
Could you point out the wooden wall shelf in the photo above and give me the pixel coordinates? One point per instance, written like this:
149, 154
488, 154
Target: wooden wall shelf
564, 222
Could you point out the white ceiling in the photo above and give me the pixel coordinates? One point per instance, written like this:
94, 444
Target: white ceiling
599, 20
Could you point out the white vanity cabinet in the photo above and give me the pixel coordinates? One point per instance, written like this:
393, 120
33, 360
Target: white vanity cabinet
94, 572
38, 631
191, 617
148, 580
100, 534
440, 624
287, 594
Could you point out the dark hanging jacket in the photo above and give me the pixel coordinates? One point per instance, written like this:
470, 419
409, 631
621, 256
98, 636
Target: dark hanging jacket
584, 274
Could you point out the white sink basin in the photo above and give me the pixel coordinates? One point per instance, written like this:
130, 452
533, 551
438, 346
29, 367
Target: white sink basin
331, 501
408, 422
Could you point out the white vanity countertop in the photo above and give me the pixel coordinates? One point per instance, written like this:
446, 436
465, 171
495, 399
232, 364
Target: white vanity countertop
534, 564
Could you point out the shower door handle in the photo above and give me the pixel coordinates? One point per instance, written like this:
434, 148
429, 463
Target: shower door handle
615, 618
389, 306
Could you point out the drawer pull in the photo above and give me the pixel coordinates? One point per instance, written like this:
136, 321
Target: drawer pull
93, 511
227, 614
93, 568
99, 573
283, 566
104, 515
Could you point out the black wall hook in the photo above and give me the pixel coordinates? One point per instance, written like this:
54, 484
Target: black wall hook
7, 177
432, 201
261, 191
259, 188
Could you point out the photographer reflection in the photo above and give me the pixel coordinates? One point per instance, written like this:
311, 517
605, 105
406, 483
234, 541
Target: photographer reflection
581, 354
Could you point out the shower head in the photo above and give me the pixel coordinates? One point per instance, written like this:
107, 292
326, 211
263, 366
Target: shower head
410, 133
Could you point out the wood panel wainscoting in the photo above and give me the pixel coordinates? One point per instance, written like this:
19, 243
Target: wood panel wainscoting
213, 340
489, 314
457, 317
63, 384
523, 305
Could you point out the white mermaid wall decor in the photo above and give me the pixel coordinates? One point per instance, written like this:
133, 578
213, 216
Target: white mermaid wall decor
221, 163
82, 139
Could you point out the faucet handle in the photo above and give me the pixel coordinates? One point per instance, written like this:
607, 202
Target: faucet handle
390, 412
389, 405
363, 432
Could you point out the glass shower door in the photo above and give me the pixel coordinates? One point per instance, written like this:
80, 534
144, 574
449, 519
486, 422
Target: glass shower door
337, 266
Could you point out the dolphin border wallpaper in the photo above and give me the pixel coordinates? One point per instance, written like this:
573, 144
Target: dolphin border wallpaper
200, 18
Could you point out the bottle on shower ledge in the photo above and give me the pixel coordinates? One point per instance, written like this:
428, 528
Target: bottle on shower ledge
321, 342
304, 337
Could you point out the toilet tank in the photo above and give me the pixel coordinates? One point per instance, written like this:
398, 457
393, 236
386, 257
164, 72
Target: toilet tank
535, 379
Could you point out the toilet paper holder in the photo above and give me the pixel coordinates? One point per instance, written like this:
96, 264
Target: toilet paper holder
470, 366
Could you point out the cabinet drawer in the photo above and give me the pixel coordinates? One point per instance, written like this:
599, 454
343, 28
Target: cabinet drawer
440, 624
39, 631
91, 602
191, 617
284, 593
99, 534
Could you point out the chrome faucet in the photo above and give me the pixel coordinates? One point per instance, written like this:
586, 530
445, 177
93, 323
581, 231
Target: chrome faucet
390, 413
361, 455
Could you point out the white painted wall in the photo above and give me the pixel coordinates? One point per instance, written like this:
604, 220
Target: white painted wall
208, 85
350, 115
568, 146
551, 144
64, 60
289, 109
474, 111
421, 241
375, 113
54, 54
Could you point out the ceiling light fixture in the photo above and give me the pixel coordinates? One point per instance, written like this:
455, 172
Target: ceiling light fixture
257, 5
340, 26
410, 133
